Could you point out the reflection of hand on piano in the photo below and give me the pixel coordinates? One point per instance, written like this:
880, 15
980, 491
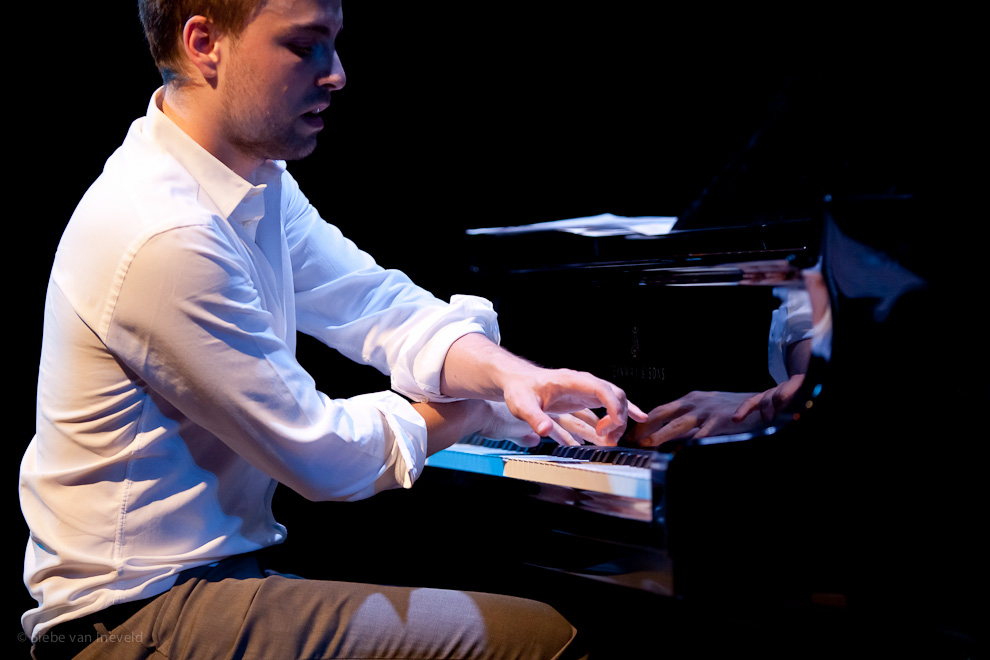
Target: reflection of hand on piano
697, 415
771, 402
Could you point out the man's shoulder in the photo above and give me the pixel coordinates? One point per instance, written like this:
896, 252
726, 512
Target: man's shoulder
140, 189
141, 193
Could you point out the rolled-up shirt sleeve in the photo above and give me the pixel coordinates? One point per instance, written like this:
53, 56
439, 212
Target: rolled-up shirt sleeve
373, 315
203, 342
198, 316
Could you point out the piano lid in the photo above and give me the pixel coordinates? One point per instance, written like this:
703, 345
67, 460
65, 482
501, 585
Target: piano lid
771, 254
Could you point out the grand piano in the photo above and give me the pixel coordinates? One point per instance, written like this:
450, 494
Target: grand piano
848, 526
850, 522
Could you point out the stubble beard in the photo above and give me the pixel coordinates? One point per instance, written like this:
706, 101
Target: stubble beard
264, 137
259, 128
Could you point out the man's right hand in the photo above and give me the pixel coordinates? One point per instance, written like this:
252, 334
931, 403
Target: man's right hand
569, 428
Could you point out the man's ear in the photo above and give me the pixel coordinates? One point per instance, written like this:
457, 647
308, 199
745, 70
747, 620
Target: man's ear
200, 42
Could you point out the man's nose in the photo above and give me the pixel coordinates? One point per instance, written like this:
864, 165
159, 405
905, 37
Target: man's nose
334, 78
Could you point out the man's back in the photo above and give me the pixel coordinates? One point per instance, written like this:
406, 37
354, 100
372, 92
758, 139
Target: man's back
113, 462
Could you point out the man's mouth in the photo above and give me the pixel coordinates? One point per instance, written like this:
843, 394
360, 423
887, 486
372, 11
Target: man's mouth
313, 117
322, 107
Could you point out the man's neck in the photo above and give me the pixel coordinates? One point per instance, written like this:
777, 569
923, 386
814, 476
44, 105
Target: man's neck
192, 114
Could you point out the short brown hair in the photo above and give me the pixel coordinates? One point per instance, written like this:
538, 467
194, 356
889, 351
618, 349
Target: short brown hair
164, 20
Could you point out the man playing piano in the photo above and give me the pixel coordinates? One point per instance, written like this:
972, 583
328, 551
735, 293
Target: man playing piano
170, 402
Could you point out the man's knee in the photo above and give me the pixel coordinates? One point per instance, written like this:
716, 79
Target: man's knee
527, 628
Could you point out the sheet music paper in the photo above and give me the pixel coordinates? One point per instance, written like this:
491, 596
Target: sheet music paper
605, 224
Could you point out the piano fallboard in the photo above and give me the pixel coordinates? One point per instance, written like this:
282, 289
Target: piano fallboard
615, 481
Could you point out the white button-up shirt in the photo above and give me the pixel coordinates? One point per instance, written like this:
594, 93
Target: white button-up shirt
170, 401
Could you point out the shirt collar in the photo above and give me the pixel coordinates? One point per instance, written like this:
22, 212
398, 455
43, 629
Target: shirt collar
233, 196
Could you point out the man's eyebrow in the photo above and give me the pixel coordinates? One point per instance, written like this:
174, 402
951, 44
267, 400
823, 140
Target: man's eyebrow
317, 29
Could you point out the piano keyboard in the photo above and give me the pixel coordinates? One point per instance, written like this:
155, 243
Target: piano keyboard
613, 485
618, 472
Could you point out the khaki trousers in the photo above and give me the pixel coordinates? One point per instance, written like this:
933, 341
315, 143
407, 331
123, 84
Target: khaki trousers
236, 609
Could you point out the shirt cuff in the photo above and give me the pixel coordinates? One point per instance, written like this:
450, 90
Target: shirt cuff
477, 316
405, 432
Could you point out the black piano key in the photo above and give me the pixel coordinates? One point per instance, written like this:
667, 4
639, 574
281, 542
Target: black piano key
614, 455
593, 453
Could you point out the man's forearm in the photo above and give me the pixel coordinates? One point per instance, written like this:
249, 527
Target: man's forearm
473, 368
447, 423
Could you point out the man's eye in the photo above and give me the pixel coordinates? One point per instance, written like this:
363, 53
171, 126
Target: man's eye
302, 50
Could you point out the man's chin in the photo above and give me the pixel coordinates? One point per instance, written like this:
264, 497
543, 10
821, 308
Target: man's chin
300, 149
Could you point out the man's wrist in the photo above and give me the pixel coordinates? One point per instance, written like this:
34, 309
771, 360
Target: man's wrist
449, 422
476, 367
